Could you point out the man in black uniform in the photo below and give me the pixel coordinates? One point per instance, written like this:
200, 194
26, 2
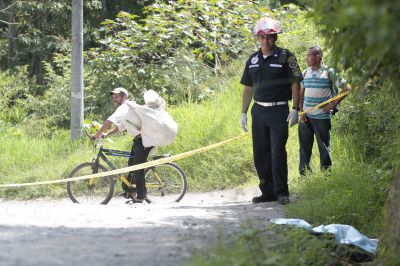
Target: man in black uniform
272, 75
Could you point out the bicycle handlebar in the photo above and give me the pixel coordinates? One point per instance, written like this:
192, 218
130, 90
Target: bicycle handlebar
97, 143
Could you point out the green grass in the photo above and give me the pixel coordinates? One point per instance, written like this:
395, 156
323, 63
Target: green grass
206, 123
276, 245
352, 194
29, 156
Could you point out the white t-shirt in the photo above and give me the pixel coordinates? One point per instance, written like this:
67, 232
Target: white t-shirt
126, 119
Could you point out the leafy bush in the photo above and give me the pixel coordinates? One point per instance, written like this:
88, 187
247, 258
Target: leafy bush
188, 62
14, 89
54, 104
371, 60
174, 49
370, 118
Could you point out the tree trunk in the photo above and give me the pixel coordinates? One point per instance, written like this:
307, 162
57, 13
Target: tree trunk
104, 9
36, 67
38, 55
11, 32
393, 233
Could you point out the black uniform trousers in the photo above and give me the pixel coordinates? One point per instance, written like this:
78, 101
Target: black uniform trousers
139, 154
321, 129
270, 134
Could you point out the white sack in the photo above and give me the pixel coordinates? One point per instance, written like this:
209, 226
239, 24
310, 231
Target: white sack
158, 127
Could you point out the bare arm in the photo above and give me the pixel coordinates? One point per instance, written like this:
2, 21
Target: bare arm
247, 96
296, 94
106, 125
112, 132
301, 102
301, 99
329, 106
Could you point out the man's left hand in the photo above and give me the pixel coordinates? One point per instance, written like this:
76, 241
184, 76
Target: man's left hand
328, 107
293, 118
102, 136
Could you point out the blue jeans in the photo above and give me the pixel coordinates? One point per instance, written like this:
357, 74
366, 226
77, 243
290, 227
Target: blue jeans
321, 129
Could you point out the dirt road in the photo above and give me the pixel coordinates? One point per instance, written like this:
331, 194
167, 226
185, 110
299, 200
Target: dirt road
49, 232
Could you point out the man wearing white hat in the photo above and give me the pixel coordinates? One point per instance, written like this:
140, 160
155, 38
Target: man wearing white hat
125, 118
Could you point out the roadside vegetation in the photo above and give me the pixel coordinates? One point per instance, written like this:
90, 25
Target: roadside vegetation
280, 245
362, 189
195, 63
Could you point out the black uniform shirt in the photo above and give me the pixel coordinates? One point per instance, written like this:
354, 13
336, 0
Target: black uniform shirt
271, 78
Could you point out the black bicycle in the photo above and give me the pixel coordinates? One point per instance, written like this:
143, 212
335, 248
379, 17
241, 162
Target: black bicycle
165, 182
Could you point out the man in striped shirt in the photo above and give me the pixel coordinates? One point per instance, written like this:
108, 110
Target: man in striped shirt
320, 84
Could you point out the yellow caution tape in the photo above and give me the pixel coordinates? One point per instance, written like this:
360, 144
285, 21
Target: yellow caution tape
341, 95
131, 168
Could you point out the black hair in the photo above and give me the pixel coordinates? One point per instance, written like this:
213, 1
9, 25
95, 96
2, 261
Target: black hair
316, 50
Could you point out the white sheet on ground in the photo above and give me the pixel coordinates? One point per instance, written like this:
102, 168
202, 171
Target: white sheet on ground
344, 234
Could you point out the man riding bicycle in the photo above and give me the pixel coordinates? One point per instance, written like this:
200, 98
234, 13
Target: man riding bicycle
125, 118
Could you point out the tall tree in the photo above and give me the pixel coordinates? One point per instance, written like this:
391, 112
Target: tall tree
7, 9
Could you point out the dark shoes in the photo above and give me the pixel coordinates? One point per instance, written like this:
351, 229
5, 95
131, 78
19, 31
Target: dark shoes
263, 198
123, 194
135, 200
283, 200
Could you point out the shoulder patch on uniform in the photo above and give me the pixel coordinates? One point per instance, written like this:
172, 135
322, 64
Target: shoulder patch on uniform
292, 61
296, 72
254, 60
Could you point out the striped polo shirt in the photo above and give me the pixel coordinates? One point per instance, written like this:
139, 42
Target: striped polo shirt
318, 88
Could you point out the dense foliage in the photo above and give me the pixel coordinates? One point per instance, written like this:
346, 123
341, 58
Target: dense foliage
32, 31
364, 37
187, 50
174, 49
181, 49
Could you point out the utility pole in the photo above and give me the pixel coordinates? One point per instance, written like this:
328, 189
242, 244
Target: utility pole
77, 70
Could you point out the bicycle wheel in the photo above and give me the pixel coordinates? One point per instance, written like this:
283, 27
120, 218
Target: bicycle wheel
165, 183
94, 190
